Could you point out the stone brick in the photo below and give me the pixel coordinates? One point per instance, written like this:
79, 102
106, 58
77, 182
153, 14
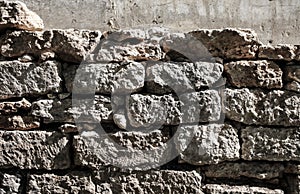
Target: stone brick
150, 110
10, 183
258, 170
280, 52
69, 110
21, 79
19, 122
163, 77
15, 14
271, 144
105, 78
218, 189
229, 43
34, 150
292, 77
68, 45
265, 74
70, 183
7, 108
129, 150
164, 181
262, 107
207, 144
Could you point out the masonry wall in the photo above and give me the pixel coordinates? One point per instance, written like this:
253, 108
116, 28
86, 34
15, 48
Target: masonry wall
145, 111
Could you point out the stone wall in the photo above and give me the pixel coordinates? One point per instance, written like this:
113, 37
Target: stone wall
145, 111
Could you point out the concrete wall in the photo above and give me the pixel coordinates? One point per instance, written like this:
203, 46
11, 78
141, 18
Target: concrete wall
276, 21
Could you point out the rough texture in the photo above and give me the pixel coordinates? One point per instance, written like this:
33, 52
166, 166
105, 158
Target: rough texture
34, 150
106, 78
280, 52
207, 144
19, 122
256, 170
163, 77
139, 150
262, 108
280, 144
218, 189
67, 45
10, 183
15, 14
23, 79
7, 108
229, 43
265, 74
71, 183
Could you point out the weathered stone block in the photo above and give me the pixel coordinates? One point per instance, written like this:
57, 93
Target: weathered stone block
68, 45
207, 144
265, 74
164, 181
218, 189
279, 52
34, 150
15, 14
70, 183
19, 122
20, 79
262, 108
271, 144
7, 108
150, 110
69, 110
229, 43
10, 183
105, 78
258, 170
163, 77
133, 150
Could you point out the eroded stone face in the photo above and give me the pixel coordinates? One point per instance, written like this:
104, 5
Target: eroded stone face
280, 52
218, 189
165, 77
34, 150
133, 150
265, 74
251, 106
19, 122
280, 144
7, 108
207, 144
10, 183
229, 43
71, 183
15, 14
22, 79
67, 45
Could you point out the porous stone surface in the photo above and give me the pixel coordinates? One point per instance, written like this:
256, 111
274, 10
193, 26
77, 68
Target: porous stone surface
256, 170
165, 77
265, 74
23, 79
292, 77
74, 182
7, 108
10, 183
229, 43
279, 52
15, 14
73, 110
218, 189
67, 45
252, 106
133, 150
34, 150
105, 78
149, 110
19, 122
163, 181
207, 144
280, 144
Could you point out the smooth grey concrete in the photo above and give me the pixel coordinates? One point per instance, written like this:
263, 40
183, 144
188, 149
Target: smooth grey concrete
276, 21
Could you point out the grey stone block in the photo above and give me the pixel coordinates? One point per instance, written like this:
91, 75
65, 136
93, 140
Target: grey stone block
218, 189
34, 150
279, 144
10, 184
20, 79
